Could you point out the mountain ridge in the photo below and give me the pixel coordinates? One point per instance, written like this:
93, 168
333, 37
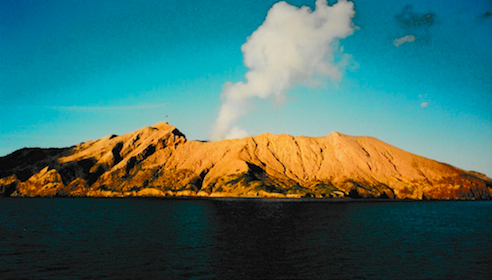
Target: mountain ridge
159, 161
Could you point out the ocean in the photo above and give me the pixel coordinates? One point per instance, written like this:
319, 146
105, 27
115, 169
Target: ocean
137, 238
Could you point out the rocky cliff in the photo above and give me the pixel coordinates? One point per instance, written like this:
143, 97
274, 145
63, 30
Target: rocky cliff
160, 161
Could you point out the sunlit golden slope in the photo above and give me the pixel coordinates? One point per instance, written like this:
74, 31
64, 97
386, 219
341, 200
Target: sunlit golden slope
159, 161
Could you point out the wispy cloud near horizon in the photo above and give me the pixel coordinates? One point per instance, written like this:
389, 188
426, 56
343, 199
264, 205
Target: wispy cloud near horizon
107, 108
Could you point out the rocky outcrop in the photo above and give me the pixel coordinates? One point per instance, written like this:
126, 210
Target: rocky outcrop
8, 185
160, 161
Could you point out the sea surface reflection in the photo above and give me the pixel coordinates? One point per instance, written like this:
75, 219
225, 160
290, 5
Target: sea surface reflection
87, 238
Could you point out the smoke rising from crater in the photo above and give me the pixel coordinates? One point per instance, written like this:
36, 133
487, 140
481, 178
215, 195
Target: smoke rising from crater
294, 46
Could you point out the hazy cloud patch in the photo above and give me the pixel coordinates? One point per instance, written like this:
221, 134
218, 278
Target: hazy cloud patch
405, 39
424, 100
410, 19
414, 23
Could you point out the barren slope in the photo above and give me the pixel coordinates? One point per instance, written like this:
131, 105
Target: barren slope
159, 161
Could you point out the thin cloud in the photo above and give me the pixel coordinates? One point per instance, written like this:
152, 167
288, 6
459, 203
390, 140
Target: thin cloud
425, 101
414, 23
76, 108
405, 39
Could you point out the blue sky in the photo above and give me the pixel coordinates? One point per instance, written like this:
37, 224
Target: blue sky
72, 71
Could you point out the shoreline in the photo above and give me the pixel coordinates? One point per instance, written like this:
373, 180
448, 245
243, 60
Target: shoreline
243, 199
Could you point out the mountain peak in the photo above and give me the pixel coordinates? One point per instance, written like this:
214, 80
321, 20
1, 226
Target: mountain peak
337, 135
163, 126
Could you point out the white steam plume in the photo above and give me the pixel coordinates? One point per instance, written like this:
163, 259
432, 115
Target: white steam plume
293, 46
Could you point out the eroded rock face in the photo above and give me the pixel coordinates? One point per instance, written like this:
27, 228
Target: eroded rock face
8, 185
46, 182
159, 161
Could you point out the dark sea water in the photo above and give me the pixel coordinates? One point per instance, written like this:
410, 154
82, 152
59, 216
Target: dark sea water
85, 238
